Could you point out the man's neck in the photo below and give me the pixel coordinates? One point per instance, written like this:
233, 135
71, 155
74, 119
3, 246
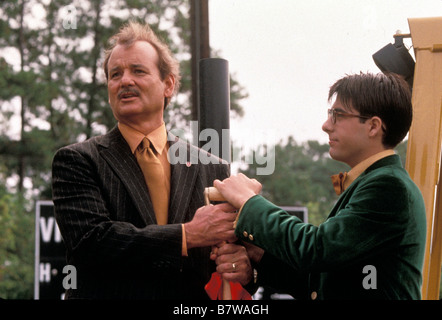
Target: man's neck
145, 127
363, 165
369, 152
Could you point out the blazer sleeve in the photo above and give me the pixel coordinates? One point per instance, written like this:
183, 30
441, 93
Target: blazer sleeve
374, 219
92, 233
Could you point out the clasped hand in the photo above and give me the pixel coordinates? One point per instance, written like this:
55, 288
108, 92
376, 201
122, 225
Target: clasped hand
232, 262
211, 225
237, 189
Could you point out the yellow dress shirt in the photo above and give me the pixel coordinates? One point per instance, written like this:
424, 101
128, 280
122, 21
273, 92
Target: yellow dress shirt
158, 138
357, 170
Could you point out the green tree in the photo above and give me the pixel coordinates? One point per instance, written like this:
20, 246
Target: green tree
53, 92
58, 77
16, 249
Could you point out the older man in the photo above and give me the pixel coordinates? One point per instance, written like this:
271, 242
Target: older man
125, 210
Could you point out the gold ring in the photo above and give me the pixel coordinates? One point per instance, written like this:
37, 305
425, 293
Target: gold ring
234, 266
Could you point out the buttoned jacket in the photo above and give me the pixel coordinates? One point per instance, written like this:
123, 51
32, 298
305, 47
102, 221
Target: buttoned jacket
106, 218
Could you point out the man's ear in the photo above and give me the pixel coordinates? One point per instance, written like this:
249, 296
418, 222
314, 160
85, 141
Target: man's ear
375, 125
169, 86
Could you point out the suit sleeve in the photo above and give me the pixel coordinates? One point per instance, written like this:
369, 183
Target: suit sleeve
91, 236
374, 219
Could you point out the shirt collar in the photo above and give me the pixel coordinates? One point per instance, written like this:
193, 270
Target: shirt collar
157, 137
357, 170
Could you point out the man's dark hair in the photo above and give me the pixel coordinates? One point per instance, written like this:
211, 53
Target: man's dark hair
387, 96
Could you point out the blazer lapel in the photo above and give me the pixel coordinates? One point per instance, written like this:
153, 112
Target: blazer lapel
117, 154
346, 195
183, 177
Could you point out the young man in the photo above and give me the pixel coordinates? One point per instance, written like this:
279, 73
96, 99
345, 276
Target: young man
127, 238
372, 244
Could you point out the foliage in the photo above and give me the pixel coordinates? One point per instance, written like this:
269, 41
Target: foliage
16, 249
52, 82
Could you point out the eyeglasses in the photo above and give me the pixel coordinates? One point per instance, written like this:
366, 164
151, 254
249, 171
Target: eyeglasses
333, 113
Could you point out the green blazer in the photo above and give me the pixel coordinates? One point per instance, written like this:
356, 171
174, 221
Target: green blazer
370, 247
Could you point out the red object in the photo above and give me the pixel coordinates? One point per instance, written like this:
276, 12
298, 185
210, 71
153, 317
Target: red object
214, 289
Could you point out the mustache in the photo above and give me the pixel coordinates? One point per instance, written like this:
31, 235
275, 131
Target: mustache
128, 90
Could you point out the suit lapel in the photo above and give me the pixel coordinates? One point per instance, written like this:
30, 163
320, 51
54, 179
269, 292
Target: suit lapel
183, 178
117, 154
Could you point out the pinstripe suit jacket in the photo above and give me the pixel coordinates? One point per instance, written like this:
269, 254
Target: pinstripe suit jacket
105, 216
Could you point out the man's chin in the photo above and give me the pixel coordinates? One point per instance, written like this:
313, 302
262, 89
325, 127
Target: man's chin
333, 154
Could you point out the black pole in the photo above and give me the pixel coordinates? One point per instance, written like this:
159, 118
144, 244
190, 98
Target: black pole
200, 45
214, 104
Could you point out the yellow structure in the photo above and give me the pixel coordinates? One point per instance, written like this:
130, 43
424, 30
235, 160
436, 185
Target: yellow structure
425, 138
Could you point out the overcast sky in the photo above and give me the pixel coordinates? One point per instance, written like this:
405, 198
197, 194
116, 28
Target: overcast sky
287, 53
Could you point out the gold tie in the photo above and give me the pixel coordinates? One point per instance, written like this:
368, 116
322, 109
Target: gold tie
155, 179
338, 182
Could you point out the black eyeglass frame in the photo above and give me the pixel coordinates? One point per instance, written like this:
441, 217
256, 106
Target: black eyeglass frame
333, 113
